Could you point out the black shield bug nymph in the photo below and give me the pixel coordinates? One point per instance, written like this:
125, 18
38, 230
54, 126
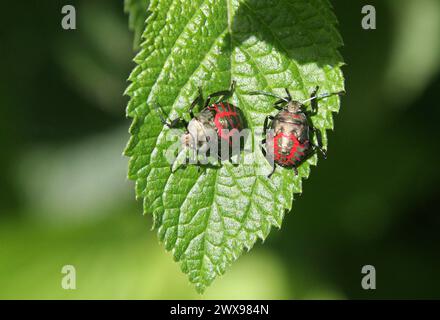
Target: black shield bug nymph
217, 125
289, 143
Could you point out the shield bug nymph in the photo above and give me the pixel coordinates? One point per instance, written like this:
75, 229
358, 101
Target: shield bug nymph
217, 124
289, 143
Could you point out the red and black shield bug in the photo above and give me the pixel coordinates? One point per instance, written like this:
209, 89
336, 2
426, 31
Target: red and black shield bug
289, 143
221, 117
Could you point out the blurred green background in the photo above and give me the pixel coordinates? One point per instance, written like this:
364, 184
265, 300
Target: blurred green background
65, 199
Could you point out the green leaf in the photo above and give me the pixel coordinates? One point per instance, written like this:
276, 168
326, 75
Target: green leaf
137, 14
207, 217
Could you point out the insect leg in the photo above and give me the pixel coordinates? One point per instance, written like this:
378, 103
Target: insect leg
272, 172
266, 120
171, 124
314, 102
264, 153
320, 149
318, 146
232, 88
225, 94
195, 102
289, 97
277, 104
263, 141
295, 169
162, 118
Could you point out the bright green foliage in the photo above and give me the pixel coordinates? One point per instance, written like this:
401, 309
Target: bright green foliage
137, 14
207, 217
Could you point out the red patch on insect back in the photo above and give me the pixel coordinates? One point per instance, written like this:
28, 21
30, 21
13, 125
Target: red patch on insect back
295, 154
228, 112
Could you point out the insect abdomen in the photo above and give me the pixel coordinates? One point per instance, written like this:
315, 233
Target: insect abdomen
288, 151
227, 119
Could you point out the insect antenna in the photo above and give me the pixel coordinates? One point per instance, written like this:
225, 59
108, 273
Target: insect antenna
159, 113
322, 96
254, 93
289, 97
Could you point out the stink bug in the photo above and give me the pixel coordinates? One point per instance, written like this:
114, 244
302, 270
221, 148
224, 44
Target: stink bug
222, 119
289, 143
